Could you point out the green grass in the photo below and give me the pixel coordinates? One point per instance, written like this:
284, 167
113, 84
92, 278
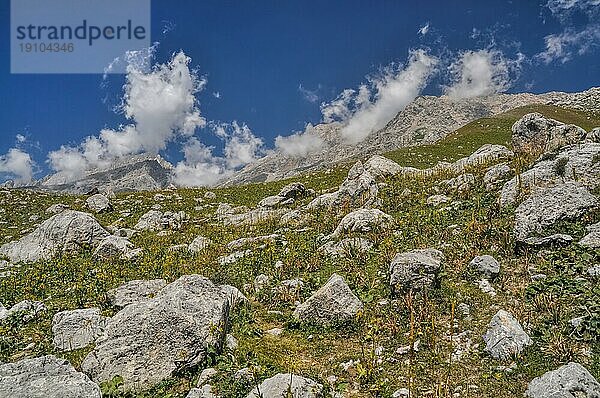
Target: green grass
492, 130
475, 225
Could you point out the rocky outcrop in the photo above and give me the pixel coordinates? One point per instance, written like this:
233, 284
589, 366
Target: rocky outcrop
287, 196
98, 203
548, 206
45, 377
77, 329
63, 232
333, 304
150, 340
287, 385
155, 220
381, 167
363, 220
505, 337
134, 291
416, 270
568, 381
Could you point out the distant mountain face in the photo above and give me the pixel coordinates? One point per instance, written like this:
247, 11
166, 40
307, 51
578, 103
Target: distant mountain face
426, 120
129, 173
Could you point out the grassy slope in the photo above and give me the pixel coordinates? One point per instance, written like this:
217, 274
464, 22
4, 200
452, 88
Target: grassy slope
473, 226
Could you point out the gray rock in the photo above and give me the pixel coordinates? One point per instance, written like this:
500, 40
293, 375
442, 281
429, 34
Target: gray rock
483, 155
155, 220
134, 291
209, 195
363, 220
547, 241
572, 163
205, 376
381, 167
199, 243
242, 242
568, 381
436, 200
416, 270
347, 247
203, 392
233, 257
594, 271
98, 203
531, 133
591, 240
260, 282
505, 337
462, 183
487, 265
251, 217
332, 304
24, 311
564, 134
56, 208
548, 206
63, 232
77, 329
151, 340
594, 135
231, 342
282, 384
116, 247
495, 175
45, 377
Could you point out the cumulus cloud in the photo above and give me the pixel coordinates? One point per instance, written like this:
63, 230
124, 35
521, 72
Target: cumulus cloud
479, 73
561, 47
374, 104
201, 168
160, 104
18, 165
301, 143
424, 29
20, 138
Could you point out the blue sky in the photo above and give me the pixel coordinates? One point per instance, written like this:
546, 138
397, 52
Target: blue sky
257, 55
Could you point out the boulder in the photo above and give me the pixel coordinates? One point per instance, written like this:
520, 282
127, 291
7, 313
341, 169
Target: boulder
116, 247
436, 200
203, 392
347, 247
591, 240
23, 311
56, 208
483, 155
155, 220
548, 206
494, 175
199, 243
287, 385
461, 183
505, 337
531, 133
568, 381
134, 291
364, 220
63, 232
76, 329
416, 270
98, 203
45, 377
572, 163
486, 265
151, 340
334, 303
381, 167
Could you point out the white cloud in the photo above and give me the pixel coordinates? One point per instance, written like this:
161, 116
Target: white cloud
301, 143
201, 168
424, 29
563, 9
18, 165
561, 47
21, 138
217, 94
479, 73
375, 104
161, 106
309, 95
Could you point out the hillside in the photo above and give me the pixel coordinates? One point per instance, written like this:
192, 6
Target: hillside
426, 338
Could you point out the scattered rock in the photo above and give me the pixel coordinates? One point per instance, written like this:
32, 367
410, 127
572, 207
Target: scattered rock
56, 208
205, 376
363, 220
116, 247
568, 381
204, 392
347, 247
282, 384
462, 183
134, 291
547, 241
505, 337
548, 206
333, 303
534, 133
199, 243
486, 287
260, 282
381, 167
495, 175
416, 270
486, 265
436, 200
155, 220
47, 377
77, 329
63, 232
151, 340
98, 203
24, 311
